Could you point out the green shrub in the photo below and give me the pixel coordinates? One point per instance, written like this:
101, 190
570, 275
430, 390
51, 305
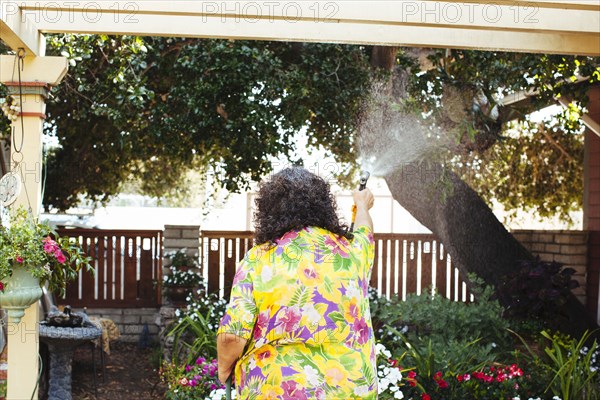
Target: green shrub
450, 325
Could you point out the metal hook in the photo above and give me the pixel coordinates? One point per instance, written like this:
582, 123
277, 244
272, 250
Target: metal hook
21, 53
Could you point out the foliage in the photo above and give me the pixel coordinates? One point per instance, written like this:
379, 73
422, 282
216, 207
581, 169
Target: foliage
576, 377
181, 258
197, 380
389, 375
518, 164
192, 338
25, 243
179, 277
449, 324
194, 332
521, 172
537, 291
150, 109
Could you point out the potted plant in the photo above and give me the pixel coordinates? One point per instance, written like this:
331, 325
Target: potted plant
31, 255
182, 278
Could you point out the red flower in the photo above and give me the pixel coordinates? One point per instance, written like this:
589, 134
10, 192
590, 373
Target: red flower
442, 384
412, 381
425, 396
1, 287
19, 259
437, 376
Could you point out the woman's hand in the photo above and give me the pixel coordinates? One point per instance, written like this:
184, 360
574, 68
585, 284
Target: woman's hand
229, 349
363, 198
225, 373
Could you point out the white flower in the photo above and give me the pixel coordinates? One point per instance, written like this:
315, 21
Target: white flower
312, 315
398, 395
312, 375
380, 349
384, 383
394, 375
361, 390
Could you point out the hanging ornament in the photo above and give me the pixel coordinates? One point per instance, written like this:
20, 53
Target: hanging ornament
12, 183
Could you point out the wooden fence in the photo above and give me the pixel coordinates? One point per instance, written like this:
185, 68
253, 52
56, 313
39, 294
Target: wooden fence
404, 264
128, 265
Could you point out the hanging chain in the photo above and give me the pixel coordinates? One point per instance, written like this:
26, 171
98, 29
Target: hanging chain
20, 67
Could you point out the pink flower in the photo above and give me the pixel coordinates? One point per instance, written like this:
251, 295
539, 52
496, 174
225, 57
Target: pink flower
183, 381
60, 257
1, 286
50, 246
19, 259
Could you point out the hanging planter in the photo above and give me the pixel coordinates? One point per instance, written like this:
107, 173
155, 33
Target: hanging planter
31, 254
21, 290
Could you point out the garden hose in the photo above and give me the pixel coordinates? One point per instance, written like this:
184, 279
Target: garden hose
364, 177
228, 388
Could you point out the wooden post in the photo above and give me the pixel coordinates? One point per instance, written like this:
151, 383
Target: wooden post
37, 75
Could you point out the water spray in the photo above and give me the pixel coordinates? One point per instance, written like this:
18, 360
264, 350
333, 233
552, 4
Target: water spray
364, 177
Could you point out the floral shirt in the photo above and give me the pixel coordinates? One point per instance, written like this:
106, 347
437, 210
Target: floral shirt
303, 307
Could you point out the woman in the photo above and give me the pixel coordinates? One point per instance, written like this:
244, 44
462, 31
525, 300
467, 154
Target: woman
298, 324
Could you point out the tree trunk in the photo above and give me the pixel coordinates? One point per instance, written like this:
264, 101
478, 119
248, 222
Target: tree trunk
471, 233
476, 240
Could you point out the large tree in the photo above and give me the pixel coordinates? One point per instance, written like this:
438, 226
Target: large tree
150, 109
461, 95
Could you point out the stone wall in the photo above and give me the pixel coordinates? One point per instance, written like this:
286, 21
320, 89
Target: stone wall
130, 321
179, 236
567, 247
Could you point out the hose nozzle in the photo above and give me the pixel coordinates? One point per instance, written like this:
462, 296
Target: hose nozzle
364, 177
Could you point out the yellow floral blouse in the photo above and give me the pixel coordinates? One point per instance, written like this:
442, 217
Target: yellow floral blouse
303, 307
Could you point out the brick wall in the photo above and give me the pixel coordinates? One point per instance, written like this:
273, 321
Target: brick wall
130, 321
179, 236
567, 247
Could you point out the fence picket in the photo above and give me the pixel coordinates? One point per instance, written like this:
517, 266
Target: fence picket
403, 264
128, 265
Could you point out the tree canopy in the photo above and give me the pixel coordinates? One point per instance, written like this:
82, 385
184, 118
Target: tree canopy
150, 109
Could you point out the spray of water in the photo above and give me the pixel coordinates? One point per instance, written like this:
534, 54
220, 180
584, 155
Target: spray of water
389, 138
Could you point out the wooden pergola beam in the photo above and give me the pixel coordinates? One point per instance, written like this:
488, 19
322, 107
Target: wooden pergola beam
17, 31
560, 27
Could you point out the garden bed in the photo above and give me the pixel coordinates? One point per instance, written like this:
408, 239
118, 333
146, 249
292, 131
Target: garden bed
131, 373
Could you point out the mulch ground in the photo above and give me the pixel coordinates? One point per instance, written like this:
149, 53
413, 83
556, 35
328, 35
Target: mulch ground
129, 374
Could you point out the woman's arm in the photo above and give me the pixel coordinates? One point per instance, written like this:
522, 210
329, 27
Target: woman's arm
229, 349
364, 201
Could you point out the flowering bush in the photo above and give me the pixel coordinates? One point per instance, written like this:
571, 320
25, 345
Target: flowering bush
192, 381
25, 243
389, 375
181, 258
194, 332
177, 277
209, 305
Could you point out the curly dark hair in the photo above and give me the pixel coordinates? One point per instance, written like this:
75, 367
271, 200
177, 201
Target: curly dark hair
292, 199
